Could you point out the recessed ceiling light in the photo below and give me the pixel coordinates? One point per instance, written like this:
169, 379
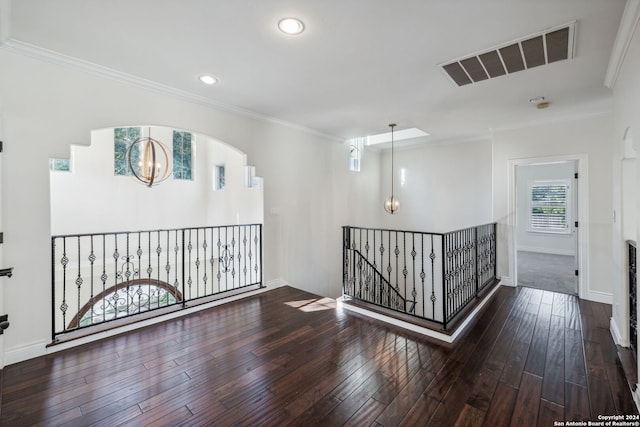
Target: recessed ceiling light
291, 26
208, 79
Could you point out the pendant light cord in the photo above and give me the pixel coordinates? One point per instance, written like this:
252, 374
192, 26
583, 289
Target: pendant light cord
392, 161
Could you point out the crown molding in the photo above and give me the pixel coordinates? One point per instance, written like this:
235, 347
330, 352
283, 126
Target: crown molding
43, 54
627, 27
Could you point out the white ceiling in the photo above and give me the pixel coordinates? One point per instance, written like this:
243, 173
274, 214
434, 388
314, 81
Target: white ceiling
360, 64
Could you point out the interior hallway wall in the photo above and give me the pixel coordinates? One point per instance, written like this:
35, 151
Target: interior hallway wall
441, 186
588, 136
626, 105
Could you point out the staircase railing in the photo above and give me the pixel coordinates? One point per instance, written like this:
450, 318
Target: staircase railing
435, 275
370, 285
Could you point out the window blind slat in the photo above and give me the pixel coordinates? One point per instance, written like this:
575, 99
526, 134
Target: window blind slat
548, 207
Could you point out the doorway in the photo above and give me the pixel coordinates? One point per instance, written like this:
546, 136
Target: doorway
546, 226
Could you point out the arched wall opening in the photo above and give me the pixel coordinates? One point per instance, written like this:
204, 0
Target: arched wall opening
197, 233
91, 198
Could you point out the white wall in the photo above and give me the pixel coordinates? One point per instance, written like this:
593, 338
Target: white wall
308, 191
446, 186
238, 202
587, 137
626, 181
533, 241
91, 199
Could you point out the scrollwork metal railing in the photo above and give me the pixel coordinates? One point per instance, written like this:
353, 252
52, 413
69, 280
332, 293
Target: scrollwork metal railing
633, 297
433, 276
97, 278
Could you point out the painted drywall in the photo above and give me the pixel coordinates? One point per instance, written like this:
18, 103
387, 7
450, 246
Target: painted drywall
588, 137
91, 199
441, 187
626, 181
534, 241
45, 108
628, 197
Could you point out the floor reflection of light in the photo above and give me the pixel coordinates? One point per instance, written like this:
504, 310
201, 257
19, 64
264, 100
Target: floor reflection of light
316, 304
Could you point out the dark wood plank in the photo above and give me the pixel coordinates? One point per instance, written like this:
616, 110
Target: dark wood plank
550, 413
553, 381
600, 398
484, 387
470, 417
527, 404
366, 414
577, 402
574, 364
501, 408
538, 348
421, 412
404, 400
288, 357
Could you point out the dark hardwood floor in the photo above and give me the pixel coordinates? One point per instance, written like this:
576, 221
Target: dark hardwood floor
288, 357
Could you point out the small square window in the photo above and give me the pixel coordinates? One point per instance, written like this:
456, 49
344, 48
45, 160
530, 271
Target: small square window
60, 165
356, 146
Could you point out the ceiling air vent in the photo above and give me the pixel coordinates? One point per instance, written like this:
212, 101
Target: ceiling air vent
538, 49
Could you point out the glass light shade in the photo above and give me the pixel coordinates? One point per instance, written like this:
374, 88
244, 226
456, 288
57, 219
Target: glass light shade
391, 205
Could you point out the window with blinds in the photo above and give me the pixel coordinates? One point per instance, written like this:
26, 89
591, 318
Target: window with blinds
549, 206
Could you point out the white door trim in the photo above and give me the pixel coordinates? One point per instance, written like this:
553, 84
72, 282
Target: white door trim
582, 217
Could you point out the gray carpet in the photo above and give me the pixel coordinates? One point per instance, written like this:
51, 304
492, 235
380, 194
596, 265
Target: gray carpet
548, 272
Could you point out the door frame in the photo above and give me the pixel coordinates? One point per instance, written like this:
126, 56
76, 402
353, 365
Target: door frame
582, 216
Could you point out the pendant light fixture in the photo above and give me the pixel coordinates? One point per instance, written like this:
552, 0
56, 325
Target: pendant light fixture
391, 205
148, 160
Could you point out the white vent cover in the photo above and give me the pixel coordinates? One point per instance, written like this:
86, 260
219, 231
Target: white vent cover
555, 44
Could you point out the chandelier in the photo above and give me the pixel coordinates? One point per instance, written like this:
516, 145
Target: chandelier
392, 204
152, 165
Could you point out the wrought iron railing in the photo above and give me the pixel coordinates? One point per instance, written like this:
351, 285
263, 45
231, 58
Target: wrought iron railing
373, 286
633, 298
433, 276
98, 278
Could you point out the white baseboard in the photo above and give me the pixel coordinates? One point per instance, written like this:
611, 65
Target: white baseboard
25, 352
39, 348
597, 296
276, 283
550, 251
615, 334
420, 329
507, 281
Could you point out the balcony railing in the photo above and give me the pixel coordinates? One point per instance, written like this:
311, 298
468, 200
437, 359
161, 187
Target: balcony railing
432, 276
633, 297
98, 278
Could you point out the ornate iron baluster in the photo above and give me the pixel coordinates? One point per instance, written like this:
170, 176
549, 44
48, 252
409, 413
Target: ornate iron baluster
158, 252
189, 280
233, 251
204, 256
64, 261
92, 259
